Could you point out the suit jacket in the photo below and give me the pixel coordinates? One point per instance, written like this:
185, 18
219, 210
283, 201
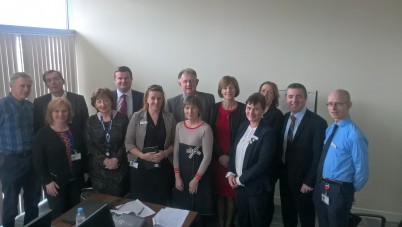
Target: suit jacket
50, 160
80, 110
303, 153
274, 118
137, 97
258, 161
175, 106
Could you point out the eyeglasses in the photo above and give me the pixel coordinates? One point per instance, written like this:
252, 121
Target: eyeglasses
336, 104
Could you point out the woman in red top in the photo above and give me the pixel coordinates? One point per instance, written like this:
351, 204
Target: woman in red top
226, 118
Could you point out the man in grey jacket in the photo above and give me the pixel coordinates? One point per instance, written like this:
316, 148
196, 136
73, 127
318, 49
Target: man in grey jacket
187, 80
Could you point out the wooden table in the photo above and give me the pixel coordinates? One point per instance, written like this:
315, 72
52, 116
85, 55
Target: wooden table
114, 201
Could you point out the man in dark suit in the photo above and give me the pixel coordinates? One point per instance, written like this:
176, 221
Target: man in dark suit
54, 81
303, 136
188, 82
127, 100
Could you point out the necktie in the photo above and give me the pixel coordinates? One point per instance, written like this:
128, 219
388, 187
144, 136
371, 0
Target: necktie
324, 152
123, 104
291, 128
290, 136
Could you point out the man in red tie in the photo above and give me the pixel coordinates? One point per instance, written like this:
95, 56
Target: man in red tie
127, 100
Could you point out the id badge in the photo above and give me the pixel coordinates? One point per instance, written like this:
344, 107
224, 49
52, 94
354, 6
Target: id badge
133, 164
75, 157
325, 199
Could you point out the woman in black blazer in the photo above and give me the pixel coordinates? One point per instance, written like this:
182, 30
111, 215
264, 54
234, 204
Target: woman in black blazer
251, 165
60, 158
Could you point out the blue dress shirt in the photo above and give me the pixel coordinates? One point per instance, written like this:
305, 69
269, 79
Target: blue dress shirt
347, 157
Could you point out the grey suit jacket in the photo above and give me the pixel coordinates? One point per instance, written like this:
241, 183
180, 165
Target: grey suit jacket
80, 110
137, 129
175, 106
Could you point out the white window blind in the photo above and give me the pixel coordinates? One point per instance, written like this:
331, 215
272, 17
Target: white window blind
35, 54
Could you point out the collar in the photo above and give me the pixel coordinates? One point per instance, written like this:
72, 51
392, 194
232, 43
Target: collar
184, 95
119, 93
63, 96
16, 101
300, 114
344, 122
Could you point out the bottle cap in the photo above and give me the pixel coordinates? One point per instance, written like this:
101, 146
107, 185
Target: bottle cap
79, 209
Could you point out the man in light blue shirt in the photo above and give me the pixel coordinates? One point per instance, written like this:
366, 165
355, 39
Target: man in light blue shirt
343, 167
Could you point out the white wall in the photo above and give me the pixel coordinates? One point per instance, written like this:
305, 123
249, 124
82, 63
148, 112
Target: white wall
355, 45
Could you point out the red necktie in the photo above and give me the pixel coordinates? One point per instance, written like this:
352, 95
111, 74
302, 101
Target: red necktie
123, 105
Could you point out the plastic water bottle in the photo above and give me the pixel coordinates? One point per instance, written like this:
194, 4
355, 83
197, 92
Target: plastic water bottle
80, 217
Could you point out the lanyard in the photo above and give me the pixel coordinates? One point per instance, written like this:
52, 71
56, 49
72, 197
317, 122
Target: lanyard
108, 132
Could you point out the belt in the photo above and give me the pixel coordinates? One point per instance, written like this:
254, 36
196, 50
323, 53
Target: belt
331, 181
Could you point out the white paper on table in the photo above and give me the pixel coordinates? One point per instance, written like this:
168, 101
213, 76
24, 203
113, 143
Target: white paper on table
136, 206
170, 217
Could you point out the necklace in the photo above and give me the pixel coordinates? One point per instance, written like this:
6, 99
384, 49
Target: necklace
108, 132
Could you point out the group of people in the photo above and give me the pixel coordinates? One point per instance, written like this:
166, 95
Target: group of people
219, 159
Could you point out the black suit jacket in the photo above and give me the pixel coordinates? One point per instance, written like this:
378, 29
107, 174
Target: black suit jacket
303, 153
258, 161
137, 97
80, 110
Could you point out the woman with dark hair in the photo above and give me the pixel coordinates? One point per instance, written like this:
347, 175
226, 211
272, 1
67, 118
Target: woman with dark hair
226, 118
150, 138
60, 158
191, 159
250, 166
106, 131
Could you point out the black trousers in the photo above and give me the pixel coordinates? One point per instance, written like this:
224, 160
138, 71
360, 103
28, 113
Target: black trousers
254, 210
17, 173
295, 205
69, 196
336, 213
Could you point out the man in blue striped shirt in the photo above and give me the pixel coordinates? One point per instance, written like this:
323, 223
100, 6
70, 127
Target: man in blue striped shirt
16, 137
343, 167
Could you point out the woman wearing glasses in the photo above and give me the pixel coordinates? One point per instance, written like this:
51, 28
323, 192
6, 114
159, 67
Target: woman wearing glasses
106, 131
150, 138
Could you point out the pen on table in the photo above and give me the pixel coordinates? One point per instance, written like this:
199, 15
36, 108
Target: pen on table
142, 209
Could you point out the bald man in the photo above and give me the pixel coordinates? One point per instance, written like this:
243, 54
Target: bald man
343, 167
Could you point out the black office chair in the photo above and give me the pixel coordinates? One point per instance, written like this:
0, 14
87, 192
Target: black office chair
367, 218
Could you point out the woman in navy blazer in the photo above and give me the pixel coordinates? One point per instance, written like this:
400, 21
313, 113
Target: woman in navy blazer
251, 166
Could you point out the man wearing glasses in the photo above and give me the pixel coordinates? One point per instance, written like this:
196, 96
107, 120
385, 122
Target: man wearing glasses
343, 167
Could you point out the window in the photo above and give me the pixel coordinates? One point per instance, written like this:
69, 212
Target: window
38, 13
35, 54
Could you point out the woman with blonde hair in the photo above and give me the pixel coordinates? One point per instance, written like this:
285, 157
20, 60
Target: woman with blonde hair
60, 158
150, 138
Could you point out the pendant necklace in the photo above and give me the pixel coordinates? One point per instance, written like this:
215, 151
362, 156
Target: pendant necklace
108, 132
